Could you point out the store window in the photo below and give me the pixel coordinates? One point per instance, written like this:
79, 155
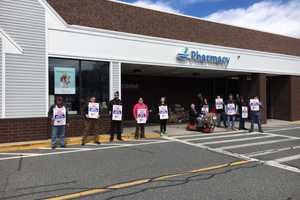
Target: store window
77, 80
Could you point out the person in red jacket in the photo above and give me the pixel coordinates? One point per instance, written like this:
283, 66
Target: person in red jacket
140, 114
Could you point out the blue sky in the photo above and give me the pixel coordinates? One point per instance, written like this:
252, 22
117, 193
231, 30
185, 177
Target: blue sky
202, 8
275, 16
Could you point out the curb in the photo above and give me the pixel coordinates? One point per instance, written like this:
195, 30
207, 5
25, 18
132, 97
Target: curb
20, 146
295, 122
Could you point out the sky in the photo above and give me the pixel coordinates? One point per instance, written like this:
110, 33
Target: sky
275, 16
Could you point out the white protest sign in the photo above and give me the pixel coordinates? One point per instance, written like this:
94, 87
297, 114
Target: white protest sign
141, 116
244, 112
254, 104
163, 112
117, 113
231, 110
93, 110
59, 116
219, 104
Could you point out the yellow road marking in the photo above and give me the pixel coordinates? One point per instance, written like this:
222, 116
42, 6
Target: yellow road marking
69, 141
129, 184
144, 181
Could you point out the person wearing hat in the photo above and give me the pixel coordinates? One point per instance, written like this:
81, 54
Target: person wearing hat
115, 111
91, 123
58, 114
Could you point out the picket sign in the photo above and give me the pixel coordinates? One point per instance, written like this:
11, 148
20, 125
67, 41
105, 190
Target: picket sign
163, 112
117, 113
59, 116
93, 109
141, 116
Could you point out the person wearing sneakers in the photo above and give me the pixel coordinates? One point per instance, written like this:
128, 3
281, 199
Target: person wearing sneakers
58, 114
163, 114
91, 123
230, 110
255, 111
140, 114
115, 111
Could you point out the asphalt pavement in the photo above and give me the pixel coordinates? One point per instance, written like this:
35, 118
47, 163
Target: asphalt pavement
230, 165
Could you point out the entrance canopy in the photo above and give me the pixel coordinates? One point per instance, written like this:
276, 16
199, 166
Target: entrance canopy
183, 72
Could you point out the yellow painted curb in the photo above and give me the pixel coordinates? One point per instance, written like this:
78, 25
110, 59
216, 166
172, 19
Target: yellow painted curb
143, 181
69, 141
295, 122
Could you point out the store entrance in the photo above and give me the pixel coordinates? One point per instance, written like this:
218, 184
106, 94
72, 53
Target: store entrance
179, 85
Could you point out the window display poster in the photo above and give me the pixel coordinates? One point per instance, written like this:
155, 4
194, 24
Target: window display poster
64, 80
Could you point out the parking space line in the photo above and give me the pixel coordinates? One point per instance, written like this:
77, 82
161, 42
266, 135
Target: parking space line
254, 144
221, 151
20, 154
281, 135
288, 158
282, 166
237, 140
271, 151
85, 150
59, 148
222, 136
207, 135
282, 129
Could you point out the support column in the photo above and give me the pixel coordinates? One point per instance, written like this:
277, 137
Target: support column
294, 98
114, 79
259, 88
262, 93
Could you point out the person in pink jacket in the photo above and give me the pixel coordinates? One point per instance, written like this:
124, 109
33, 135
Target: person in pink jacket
140, 114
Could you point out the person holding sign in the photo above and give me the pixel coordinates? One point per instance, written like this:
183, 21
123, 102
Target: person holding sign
231, 110
91, 123
163, 114
243, 111
255, 109
58, 114
219, 105
205, 107
140, 114
115, 111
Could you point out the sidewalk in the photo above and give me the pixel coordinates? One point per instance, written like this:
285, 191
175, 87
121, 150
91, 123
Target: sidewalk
151, 132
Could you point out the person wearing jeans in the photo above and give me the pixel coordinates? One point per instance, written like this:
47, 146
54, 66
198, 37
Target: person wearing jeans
231, 110
255, 109
58, 115
140, 114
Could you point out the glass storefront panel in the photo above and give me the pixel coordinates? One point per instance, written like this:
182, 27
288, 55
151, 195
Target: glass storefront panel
76, 81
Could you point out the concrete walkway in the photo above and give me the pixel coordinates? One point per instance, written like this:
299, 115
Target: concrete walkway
151, 132
180, 129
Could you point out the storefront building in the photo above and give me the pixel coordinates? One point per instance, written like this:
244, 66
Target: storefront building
79, 49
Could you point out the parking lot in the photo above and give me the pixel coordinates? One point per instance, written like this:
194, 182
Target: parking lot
224, 165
